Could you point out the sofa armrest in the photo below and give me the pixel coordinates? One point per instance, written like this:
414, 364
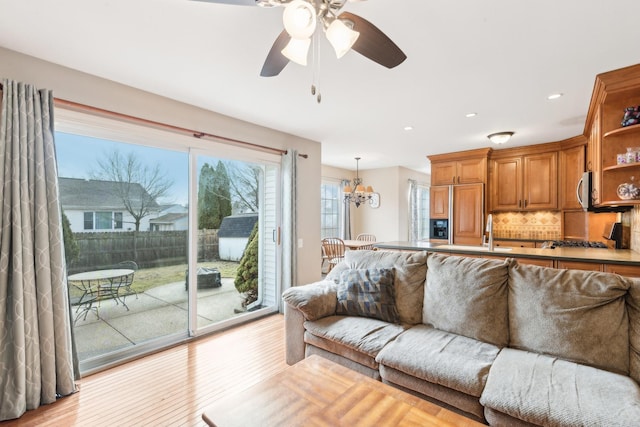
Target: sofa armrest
308, 302
315, 300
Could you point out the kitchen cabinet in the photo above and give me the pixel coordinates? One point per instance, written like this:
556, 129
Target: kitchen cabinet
514, 243
439, 202
614, 91
468, 214
469, 171
623, 269
527, 182
572, 166
579, 265
462, 167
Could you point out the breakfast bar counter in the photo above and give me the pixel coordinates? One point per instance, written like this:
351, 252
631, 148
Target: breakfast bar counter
563, 254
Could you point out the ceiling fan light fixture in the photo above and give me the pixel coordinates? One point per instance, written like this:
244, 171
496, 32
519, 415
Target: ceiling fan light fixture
341, 37
500, 137
297, 50
299, 19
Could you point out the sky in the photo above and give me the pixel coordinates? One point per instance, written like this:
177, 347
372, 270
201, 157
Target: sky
78, 158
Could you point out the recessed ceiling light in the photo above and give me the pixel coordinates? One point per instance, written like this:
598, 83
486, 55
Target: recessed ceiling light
554, 96
471, 114
408, 128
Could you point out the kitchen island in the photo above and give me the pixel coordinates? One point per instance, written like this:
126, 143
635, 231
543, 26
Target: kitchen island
622, 261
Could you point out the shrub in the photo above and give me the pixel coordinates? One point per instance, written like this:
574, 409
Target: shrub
247, 276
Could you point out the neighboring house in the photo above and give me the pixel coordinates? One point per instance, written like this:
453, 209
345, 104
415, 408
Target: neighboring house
94, 205
171, 218
233, 235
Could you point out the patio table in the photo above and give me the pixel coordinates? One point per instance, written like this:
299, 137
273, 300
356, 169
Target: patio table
98, 285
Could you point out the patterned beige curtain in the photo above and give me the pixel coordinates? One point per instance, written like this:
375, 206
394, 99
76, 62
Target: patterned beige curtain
36, 364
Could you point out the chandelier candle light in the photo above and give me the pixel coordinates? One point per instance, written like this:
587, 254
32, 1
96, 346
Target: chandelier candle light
357, 194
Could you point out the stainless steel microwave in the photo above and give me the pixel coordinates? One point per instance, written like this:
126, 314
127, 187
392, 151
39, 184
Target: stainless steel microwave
584, 193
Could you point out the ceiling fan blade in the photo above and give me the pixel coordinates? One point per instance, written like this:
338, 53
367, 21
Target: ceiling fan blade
234, 2
373, 43
276, 61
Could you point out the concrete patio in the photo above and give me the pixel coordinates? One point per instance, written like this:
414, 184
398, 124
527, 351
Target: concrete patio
156, 312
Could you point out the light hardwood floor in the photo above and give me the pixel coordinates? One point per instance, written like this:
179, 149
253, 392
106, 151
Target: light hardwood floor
173, 387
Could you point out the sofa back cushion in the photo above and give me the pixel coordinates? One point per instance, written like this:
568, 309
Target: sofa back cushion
575, 315
467, 296
410, 274
633, 306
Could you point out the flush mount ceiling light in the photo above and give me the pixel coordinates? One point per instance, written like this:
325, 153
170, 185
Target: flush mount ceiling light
554, 96
500, 137
345, 31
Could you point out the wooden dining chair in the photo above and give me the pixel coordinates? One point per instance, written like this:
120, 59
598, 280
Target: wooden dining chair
364, 237
333, 250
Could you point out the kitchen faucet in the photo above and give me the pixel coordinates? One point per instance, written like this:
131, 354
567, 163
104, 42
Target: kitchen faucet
490, 231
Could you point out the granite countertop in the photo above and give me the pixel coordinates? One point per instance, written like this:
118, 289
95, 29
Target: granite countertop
608, 256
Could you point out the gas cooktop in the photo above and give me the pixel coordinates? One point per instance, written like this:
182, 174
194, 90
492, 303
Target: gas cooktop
573, 243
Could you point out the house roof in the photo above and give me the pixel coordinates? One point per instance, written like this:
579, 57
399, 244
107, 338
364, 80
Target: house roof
76, 193
237, 225
168, 218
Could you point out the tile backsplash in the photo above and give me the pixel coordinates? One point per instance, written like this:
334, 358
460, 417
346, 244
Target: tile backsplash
538, 225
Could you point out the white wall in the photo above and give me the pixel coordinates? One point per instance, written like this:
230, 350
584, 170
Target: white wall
91, 90
232, 248
389, 222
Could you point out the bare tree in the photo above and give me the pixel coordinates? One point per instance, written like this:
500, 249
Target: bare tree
137, 185
245, 184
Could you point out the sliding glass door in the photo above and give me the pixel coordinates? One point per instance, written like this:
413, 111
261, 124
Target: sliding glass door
163, 240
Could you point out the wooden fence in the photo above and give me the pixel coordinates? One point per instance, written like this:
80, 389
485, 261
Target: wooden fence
146, 248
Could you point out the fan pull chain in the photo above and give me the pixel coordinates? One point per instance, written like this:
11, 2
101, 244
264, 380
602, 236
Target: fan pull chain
315, 85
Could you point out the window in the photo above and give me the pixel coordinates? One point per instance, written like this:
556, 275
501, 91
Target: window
103, 220
330, 209
88, 220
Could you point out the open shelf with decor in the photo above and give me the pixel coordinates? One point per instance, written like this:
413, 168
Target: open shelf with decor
620, 145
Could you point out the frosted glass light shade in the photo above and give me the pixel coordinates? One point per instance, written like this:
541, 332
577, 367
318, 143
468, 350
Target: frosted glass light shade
297, 50
500, 137
341, 37
299, 19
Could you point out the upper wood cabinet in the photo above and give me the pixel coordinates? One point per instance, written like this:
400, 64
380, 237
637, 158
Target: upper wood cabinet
572, 166
614, 91
439, 202
525, 182
469, 171
463, 167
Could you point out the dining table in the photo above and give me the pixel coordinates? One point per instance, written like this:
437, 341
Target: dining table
98, 285
356, 244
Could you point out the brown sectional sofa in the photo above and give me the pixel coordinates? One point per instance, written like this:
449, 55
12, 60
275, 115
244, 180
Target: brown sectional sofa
503, 343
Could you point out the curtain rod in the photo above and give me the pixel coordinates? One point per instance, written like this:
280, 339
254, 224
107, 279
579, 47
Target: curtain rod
75, 106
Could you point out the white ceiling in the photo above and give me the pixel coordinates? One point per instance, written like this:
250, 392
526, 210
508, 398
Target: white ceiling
498, 58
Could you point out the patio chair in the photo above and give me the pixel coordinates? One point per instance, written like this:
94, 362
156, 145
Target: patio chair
364, 237
333, 250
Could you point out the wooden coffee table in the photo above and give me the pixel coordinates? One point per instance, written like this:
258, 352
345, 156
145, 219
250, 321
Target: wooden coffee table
317, 392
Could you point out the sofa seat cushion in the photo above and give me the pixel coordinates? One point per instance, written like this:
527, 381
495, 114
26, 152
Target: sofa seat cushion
357, 338
443, 358
411, 272
575, 315
468, 296
547, 391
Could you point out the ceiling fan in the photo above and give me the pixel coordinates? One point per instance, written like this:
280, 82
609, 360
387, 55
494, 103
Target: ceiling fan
344, 31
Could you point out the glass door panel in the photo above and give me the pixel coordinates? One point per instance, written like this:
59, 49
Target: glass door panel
235, 272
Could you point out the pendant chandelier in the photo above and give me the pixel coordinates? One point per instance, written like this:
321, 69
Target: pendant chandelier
357, 193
